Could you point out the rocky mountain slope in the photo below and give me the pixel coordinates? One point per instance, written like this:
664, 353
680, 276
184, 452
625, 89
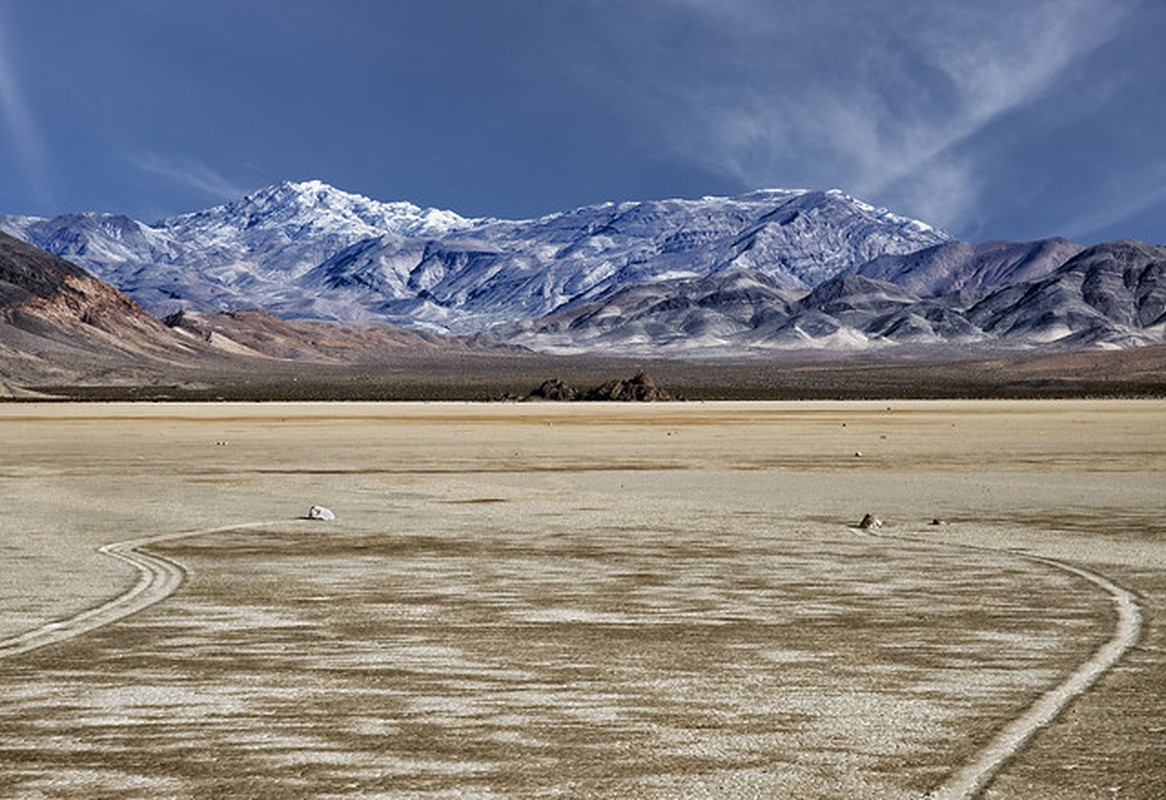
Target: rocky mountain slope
1110, 295
1113, 293
58, 321
256, 333
970, 267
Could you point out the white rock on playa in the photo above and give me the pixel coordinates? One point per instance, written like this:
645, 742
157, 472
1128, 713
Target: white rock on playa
319, 512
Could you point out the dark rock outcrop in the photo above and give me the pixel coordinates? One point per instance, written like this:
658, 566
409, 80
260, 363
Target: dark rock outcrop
640, 389
553, 389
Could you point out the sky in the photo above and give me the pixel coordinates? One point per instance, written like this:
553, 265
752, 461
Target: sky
992, 119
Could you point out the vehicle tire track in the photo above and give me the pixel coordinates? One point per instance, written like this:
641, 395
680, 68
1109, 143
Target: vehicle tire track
158, 578
970, 780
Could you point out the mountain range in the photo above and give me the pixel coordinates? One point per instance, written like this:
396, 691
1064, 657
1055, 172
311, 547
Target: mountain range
60, 326
769, 270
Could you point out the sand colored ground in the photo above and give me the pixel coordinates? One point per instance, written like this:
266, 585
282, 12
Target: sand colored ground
583, 600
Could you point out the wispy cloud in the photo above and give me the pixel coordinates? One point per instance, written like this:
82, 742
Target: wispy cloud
29, 151
1120, 201
187, 171
887, 105
996, 63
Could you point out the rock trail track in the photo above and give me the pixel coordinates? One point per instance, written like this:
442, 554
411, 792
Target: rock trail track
971, 779
160, 577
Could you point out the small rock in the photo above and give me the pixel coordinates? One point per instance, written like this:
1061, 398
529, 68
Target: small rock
858, 454
870, 521
319, 512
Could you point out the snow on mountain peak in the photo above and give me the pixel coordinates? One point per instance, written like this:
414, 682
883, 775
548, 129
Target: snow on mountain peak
768, 268
309, 249
316, 207
885, 215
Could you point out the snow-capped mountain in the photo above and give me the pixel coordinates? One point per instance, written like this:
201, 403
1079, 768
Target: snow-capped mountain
300, 224
242, 254
498, 272
770, 269
309, 250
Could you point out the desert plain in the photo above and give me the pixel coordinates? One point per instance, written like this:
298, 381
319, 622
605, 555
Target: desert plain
583, 600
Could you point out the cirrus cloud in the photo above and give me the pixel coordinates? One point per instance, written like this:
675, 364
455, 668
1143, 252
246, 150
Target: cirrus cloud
885, 100
188, 172
28, 152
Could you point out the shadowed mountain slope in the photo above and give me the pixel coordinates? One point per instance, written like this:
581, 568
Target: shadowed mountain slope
59, 322
970, 267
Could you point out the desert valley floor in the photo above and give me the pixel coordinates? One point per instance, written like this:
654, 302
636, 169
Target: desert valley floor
584, 600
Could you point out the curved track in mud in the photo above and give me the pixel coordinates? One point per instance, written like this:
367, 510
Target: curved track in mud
974, 777
970, 780
158, 578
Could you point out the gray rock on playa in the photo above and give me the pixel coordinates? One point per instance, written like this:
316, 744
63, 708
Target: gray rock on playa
321, 513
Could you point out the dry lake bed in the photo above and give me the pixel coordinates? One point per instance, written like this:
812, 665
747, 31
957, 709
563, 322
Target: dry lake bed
658, 601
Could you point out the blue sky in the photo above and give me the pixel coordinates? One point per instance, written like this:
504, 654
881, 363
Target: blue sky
991, 119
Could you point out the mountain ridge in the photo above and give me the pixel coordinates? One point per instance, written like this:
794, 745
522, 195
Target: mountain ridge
63, 334
771, 269
280, 246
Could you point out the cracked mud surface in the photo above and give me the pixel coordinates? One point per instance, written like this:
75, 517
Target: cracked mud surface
623, 602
